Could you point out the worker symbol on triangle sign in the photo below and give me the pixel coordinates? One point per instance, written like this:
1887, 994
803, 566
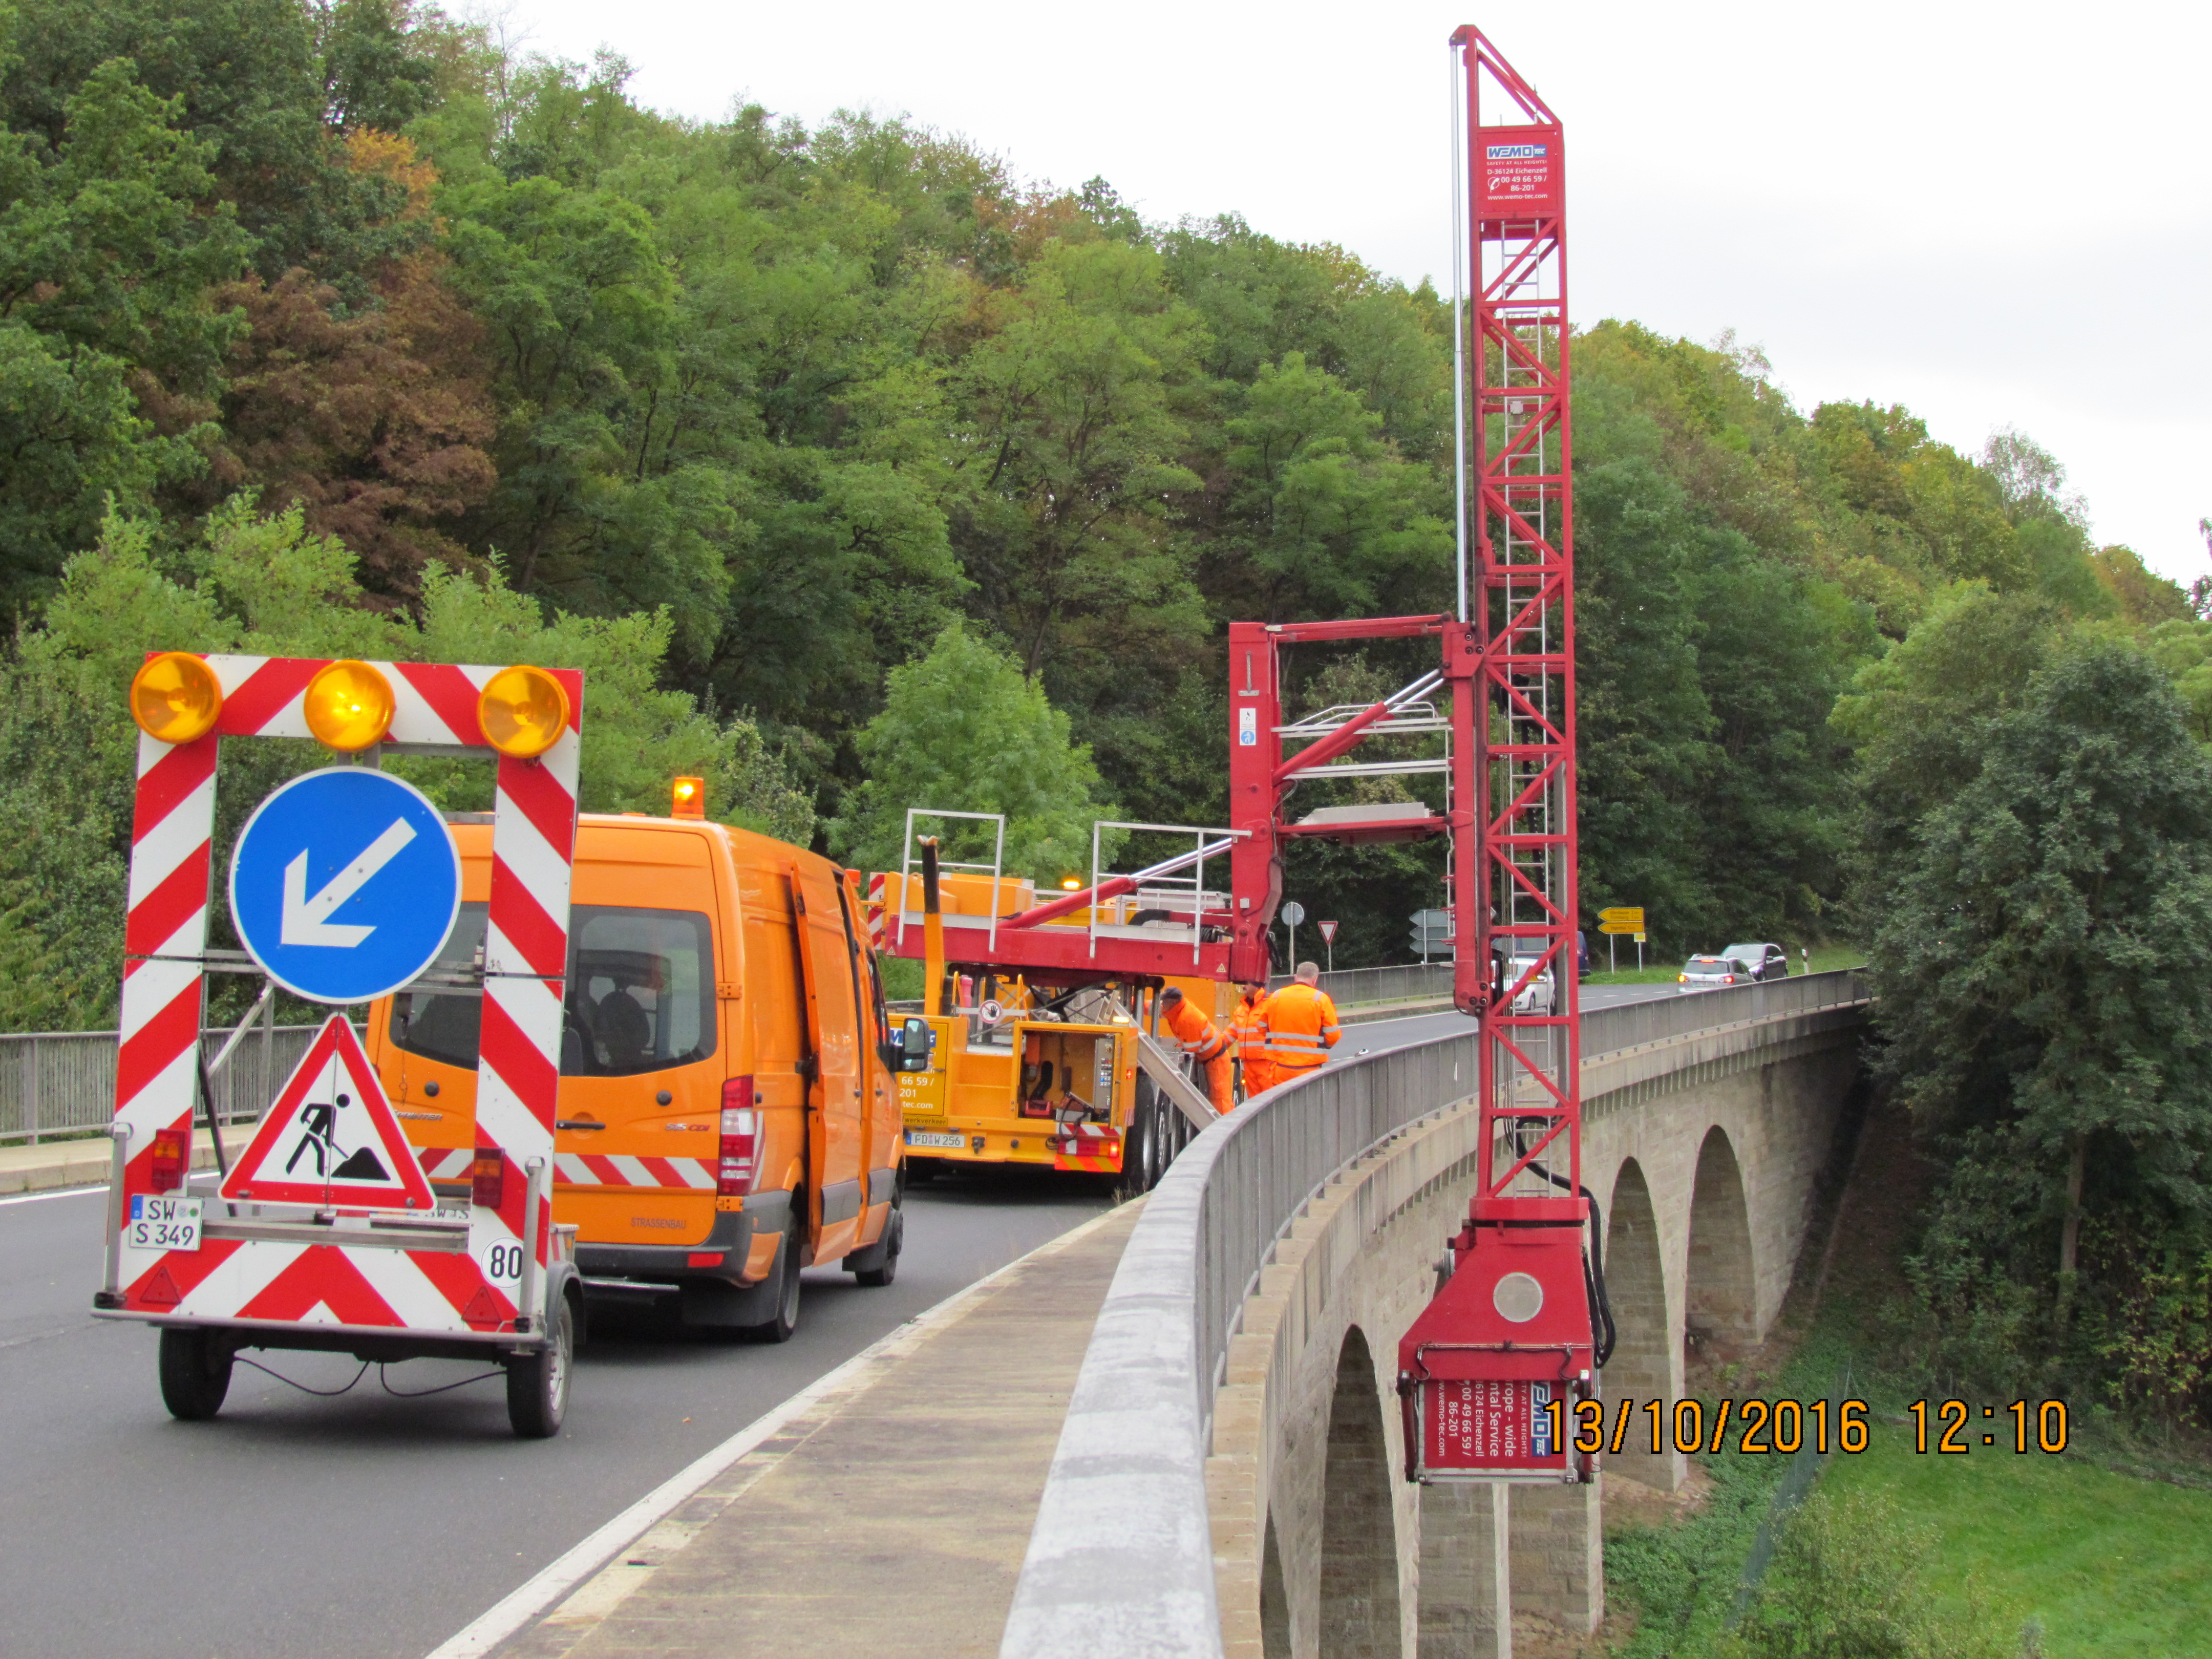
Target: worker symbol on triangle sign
331, 1136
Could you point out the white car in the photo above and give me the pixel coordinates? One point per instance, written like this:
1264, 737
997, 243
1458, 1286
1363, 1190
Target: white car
1538, 996
1711, 974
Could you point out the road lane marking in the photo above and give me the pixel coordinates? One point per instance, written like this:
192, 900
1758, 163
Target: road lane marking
555, 1581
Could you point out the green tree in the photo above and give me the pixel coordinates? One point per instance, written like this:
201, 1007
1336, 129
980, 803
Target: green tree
2040, 963
1322, 519
964, 728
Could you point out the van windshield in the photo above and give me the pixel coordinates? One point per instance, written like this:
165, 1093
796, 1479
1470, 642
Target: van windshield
640, 994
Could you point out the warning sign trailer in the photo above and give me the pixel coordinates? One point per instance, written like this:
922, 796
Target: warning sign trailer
325, 1233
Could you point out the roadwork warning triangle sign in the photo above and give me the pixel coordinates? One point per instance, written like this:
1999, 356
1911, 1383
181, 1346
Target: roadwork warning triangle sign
330, 1138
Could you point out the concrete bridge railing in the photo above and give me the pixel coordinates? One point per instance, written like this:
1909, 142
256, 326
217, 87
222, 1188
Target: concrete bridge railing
1120, 1560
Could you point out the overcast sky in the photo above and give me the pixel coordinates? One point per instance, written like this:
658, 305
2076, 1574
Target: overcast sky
1995, 215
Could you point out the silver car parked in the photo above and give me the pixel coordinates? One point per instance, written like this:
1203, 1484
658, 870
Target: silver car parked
1764, 961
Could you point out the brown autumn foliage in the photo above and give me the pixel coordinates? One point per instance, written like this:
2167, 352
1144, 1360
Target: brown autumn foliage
373, 420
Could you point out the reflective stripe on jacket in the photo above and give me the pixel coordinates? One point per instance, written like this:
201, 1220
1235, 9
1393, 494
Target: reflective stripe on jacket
1247, 1029
1193, 1031
1301, 1027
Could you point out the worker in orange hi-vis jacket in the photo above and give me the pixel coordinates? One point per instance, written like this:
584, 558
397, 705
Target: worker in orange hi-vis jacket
1248, 1030
1301, 1024
1200, 1039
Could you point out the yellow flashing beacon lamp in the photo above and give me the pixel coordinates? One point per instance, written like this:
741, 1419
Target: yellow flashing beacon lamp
524, 711
175, 697
348, 706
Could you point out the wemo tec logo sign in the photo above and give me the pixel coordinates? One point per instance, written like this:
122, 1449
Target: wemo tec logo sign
1515, 153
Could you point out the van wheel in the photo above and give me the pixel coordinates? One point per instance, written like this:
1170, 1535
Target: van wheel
878, 1266
195, 1373
537, 1382
779, 1328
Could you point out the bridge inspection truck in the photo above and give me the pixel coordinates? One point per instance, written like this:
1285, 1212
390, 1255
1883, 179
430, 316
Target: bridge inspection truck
1053, 1065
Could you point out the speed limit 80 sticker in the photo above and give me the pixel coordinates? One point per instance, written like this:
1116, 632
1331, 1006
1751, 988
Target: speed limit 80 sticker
501, 1260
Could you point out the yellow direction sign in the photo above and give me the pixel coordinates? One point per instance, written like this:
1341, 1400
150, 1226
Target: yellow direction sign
1622, 918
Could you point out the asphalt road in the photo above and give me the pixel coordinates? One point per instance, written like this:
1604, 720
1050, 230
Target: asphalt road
369, 1526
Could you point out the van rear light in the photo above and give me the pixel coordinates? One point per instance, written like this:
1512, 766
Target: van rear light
487, 1178
736, 1170
165, 1169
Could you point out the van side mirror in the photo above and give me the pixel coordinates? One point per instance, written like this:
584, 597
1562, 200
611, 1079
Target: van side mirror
914, 1046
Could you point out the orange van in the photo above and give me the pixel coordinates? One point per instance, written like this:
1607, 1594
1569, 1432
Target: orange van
727, 1112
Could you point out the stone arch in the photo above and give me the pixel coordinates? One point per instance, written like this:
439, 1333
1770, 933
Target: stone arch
1641, 1367
1359, 1616
1720, 1294
1274, 1600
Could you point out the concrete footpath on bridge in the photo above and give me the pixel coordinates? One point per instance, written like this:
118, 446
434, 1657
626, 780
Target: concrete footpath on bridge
889, 1518
86, 1160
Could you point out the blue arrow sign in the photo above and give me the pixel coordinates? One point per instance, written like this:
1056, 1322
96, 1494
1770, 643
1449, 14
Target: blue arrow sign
344, 885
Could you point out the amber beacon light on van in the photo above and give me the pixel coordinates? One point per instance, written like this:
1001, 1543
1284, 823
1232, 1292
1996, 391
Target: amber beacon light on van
687, 799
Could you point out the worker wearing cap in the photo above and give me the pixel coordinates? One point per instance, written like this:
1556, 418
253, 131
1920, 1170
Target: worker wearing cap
1247, 1032
1302, 1025
1208, 1046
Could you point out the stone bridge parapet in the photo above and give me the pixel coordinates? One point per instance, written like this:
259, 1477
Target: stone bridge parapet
1230, 1480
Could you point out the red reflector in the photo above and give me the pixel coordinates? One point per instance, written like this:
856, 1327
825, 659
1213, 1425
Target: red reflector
737, 1168
487, 1178
166, 1169
703, 1259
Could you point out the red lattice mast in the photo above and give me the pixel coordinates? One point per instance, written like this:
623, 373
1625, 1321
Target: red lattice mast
1514, 690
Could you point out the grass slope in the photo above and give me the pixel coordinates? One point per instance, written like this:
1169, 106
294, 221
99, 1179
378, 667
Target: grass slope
2110, 1566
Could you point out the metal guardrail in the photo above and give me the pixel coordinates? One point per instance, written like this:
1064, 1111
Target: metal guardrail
63, 1083
1121, 1543
1406, 982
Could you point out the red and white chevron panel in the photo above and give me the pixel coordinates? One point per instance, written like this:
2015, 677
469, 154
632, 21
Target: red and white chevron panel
687, 1174
682, 1175
1093, 1146
445, 1163
533, 848
871, 909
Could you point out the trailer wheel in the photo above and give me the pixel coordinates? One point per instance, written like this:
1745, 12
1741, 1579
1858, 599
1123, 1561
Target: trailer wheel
779, 1328
195, 1373
537, 1382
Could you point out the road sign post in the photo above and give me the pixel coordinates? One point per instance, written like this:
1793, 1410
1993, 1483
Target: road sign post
1433, 932
1618, 919
1293, 912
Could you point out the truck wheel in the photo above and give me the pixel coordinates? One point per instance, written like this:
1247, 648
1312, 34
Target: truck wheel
779, 1328
1137, 1150
878, 1266
537, 1382
195, 1373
